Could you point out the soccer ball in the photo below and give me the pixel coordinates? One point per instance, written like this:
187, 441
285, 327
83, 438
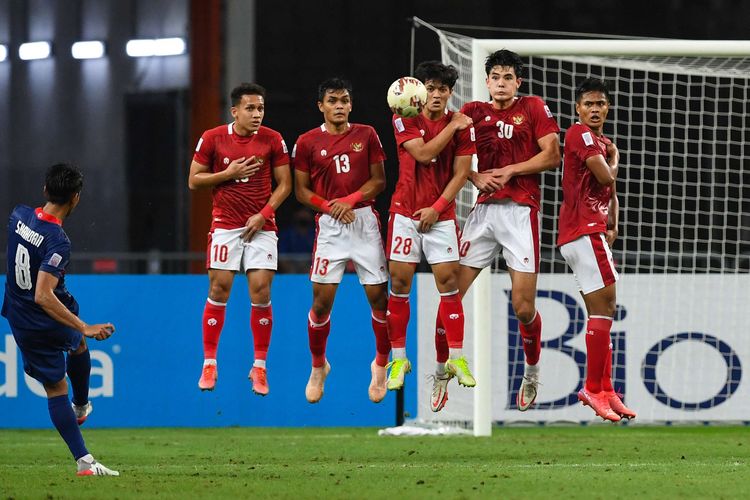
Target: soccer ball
406, 96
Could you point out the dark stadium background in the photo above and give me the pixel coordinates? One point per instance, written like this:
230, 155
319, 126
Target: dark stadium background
131, 124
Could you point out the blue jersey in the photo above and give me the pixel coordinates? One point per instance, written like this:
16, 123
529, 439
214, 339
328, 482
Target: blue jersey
36, 241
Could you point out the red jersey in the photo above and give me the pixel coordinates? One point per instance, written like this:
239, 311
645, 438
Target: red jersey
585, 205
420, 185
338, 164
509, 136
236, 200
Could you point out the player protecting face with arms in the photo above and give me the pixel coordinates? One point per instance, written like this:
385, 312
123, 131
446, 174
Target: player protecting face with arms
434, 152
587, 231
338, 172
43, 315
516, 138
238, 162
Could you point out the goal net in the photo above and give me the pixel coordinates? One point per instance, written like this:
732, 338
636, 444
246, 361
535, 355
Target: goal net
680, 118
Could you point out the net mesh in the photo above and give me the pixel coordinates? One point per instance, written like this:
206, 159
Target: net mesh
681, 126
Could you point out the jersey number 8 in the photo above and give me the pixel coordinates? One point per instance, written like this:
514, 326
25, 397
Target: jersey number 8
23, 268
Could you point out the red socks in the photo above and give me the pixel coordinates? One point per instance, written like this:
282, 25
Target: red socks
382, 343
441, 342
261, 322
213, 322
607, 375
451, 314
398, 318
317, 334
597, 352
531, 335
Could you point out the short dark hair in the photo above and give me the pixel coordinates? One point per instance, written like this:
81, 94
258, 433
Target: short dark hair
62, 182
334, 83
592, 85
504, 58
435, 70
246, 89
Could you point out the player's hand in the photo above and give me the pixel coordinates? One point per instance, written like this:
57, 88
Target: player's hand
611, 235
252, 226
461, 121
503, 175
486, 182
99, 331
243, 168
612, 151
341, 211
428, 216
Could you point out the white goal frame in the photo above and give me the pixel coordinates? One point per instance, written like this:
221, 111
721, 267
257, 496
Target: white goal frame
481, 48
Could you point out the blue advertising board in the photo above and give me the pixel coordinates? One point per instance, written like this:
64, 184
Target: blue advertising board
146, 374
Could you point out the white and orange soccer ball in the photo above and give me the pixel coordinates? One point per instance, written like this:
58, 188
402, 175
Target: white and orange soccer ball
406, 96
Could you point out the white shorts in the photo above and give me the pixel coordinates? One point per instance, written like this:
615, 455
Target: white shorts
406, 243
590, 259
507, 226
227, 251
337, 243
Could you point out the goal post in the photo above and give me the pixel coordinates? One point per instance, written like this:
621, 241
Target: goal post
681, 119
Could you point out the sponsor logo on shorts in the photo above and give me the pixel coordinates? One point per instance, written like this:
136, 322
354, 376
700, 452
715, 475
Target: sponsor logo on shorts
525, 260
269, 256
449, 249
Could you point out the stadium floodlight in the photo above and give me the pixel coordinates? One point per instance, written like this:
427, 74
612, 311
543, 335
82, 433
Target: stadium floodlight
3, 52
34, 50
91, 49
155, 47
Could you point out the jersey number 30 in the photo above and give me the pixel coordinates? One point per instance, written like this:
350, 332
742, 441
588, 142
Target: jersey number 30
23, 268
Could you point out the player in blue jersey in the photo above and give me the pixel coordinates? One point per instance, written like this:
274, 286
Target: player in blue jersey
43, 315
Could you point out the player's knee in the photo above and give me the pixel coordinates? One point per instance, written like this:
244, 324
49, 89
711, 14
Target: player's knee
219, 292
321, 306
54, 389
82, 347
524, 310
400, 284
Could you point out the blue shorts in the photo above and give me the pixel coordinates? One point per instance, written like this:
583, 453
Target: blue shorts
43, 351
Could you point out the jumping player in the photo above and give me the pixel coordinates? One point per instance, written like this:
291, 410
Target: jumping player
237, 161
588, 228
338, 172
516, 140
43, 315
434, 151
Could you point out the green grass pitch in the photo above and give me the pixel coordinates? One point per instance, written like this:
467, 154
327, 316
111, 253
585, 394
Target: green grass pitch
628, 462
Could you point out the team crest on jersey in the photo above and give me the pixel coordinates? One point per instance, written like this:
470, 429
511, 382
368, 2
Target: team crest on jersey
323, 152
517, 119
226, 161
357, 147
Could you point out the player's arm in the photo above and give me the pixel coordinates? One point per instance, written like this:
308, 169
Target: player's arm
370, 189
429, 215
424, 152
605, 171
546, 159
283, 176
613, 217
305, 195
45, 298
202, 177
